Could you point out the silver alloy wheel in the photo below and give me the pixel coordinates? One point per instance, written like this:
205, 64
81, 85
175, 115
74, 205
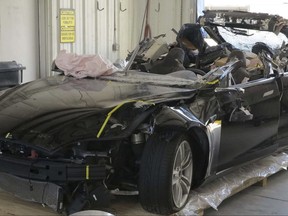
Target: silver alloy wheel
182, 174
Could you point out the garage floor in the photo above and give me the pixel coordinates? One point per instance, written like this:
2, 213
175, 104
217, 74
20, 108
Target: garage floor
255, 200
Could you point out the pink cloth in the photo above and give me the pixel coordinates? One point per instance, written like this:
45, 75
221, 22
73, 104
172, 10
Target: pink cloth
81, 66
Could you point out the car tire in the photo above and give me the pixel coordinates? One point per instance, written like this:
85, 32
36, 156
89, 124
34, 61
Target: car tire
166, 170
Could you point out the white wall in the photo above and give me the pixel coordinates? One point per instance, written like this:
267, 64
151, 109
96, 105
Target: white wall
19, 34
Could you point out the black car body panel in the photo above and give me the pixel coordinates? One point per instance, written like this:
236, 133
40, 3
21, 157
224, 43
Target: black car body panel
75, 109
262, 98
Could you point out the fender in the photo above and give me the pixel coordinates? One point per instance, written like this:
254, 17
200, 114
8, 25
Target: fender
205, 136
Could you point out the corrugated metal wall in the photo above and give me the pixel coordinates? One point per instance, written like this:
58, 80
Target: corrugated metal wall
97, 30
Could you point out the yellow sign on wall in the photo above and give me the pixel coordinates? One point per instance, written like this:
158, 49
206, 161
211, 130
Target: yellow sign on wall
67, 26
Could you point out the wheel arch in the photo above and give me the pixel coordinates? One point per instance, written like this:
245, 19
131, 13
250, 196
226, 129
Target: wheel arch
177, 119
200, 147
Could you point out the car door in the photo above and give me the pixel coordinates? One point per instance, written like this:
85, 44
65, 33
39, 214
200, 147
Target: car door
249, 114
283, 121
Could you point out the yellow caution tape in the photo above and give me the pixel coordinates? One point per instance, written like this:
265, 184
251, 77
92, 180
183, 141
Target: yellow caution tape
114, 110
218, 122
87, 172
213, 82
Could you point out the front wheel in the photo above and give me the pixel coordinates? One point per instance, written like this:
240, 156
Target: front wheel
166, 173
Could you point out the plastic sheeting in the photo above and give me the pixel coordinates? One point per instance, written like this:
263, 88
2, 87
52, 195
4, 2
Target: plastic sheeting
212, 194
155, 79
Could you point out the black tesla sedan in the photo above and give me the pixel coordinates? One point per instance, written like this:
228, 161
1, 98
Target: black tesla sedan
72, 143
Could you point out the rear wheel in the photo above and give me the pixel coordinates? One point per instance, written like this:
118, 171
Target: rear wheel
166, 173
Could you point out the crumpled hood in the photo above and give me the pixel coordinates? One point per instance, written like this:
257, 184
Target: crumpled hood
44, 110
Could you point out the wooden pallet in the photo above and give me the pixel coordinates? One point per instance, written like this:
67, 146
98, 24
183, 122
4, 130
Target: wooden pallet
259, 182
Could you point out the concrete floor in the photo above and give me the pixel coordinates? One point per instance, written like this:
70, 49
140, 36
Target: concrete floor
255, 200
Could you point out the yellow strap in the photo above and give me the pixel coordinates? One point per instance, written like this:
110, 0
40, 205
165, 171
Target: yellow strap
213, 82
114, 110
87, 172
218, 122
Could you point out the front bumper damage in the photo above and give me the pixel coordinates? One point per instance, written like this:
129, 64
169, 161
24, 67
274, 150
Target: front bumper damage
51, 171
43, 181
49, 194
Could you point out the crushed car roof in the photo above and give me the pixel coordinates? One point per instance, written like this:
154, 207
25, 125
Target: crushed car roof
243, 19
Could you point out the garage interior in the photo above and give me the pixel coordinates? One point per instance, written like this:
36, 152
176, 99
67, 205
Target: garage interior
31, 35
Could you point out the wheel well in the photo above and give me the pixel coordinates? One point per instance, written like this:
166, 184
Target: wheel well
200, 148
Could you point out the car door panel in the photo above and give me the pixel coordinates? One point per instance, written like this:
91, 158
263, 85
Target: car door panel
283, 122
243, 138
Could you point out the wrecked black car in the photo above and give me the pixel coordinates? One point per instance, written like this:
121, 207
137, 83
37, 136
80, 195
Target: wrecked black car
73, 143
